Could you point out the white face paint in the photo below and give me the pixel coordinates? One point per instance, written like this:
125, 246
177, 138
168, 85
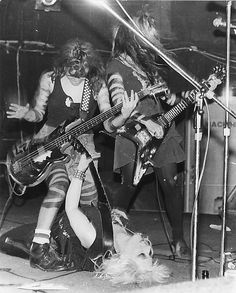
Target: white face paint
77, 70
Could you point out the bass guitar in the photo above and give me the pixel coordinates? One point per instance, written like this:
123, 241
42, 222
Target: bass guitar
147, 145
29, 163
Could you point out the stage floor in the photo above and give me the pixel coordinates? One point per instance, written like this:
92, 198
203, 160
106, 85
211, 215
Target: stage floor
15, 271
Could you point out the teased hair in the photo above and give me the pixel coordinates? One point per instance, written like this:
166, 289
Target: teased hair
76, 49
127, 42
132, 262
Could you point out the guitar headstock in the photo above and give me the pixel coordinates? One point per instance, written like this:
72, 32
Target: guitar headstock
219, 71
216, 78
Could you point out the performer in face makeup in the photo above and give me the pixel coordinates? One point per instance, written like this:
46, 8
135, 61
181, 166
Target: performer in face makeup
72, 90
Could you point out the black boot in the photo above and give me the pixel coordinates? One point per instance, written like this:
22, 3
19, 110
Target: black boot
44, 257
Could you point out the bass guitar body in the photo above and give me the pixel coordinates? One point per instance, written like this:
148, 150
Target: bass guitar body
30, 162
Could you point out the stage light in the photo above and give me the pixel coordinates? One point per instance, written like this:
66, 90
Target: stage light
95, 1
49, 2
98, 2
48, 5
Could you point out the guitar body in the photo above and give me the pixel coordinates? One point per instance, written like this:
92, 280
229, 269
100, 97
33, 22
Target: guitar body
146, 145
29, 162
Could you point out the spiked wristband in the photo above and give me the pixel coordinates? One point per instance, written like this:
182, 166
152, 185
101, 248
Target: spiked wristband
79, 174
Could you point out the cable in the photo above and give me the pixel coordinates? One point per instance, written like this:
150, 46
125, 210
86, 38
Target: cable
7, 204
162, 219
12, 191
18, 85
5, 209
205, 53
203, 168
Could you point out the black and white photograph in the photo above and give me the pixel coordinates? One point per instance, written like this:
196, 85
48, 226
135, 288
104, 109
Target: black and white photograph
117, 146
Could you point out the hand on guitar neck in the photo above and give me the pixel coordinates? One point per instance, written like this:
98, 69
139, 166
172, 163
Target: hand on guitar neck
209, 86
129, 104
153, 128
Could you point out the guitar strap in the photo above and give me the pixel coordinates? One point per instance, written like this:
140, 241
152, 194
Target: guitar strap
87, 103
104, 208
102, 196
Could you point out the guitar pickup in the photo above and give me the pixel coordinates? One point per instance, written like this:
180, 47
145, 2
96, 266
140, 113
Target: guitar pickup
143, 136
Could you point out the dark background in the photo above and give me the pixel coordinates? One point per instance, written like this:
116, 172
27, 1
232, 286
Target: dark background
186, 27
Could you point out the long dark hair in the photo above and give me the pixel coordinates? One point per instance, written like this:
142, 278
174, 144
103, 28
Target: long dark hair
127, 42
84, 53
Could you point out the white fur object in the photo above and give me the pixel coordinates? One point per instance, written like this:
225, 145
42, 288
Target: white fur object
133, 260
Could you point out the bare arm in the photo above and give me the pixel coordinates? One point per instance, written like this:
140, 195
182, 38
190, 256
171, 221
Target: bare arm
80, 224
35, 113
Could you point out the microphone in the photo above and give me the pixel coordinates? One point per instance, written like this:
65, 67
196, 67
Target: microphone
219, 22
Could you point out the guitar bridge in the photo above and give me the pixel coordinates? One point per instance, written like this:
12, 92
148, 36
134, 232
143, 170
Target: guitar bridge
143, 136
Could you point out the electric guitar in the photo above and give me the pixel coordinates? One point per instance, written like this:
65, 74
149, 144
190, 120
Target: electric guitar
30, 161
146, 144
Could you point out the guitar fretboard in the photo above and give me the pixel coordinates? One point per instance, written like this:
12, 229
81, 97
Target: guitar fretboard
166, 119
88, 125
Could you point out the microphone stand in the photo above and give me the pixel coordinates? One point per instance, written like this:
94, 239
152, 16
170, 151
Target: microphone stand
226, 144
198, 138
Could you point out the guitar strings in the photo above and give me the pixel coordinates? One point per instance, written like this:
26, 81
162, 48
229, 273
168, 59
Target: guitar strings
66, 136
169, 116
218, 72
111, 112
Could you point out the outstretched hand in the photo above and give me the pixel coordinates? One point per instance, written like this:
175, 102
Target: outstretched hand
17, 111
85, 158
154, 128
129, 104
171, 99
84, 162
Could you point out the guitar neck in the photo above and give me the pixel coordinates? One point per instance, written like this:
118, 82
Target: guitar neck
88, 125
210, 84
166, 119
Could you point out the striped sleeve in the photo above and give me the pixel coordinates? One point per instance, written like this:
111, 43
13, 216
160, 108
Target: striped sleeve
104, 105
42, 93
115, 87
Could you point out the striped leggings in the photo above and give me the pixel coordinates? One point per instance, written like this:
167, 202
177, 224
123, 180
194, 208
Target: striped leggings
58, 183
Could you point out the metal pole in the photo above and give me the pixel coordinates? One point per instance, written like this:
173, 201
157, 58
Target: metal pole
226, 143
198, 138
